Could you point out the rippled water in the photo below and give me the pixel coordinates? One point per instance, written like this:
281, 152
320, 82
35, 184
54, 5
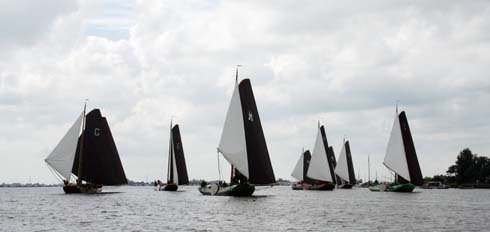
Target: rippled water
272, 209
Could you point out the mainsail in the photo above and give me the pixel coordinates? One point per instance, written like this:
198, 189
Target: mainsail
412, 161
400, 156
242, 140
61, 158
319, 166
344, 168
100, 160
172, 175
178, 157
330, 155
306, 166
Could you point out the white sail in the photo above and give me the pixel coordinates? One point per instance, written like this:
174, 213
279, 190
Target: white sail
342, 170
174, 164
62, 157
298, 169
319, 168
395, 158
232, 144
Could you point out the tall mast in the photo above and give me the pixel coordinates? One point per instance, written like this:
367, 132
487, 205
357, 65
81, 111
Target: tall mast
369, 170
236, 75
79, 174
170, 174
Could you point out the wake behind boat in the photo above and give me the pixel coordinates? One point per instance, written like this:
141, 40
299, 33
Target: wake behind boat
243, 146
88, 154
177, 170
401, 158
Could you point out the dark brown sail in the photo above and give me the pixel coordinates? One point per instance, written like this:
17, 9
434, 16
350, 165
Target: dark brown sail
350, 166
179, 156
259, 165
412, 161
100, 160
306, 165
330, 156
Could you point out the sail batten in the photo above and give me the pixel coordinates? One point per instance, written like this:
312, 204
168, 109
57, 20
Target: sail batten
62, 157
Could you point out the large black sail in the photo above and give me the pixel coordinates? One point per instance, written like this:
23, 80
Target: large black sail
412, 161
100, 160
179, 156
259, 164
350, 166
306, 165
330, 156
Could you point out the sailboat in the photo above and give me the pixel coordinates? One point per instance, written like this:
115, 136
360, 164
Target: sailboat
300, 170
401, 158
177, 170
88, 154
320, 167
345, 168
243, 146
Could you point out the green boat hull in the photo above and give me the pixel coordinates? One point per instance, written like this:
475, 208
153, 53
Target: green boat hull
237, 190
403, 188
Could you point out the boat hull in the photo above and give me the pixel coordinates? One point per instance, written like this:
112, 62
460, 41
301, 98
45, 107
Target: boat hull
320, 187
236, 190
85, 188
70, 189
297, 186
345, 186
169, 187
401, 188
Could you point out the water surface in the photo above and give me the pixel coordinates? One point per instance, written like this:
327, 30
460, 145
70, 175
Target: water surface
272, 209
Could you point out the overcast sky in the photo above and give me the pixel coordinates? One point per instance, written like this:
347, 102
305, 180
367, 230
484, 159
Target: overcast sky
343, 63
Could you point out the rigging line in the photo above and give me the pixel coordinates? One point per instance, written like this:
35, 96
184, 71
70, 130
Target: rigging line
58, 176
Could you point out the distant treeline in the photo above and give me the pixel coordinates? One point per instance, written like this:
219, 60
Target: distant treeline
469, 169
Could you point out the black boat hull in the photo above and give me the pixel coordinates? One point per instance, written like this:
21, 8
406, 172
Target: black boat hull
236, 190
84, 188
345, 186
169, 187
320, 187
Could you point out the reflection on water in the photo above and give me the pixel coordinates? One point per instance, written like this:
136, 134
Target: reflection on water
271, 209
